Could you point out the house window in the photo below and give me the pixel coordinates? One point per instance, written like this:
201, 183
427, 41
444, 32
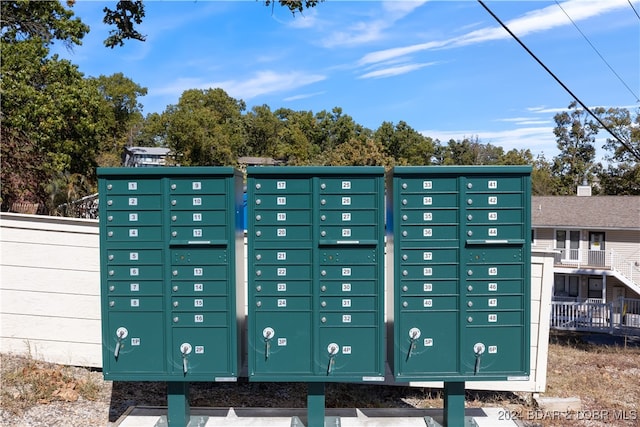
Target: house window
566, 285
568, 243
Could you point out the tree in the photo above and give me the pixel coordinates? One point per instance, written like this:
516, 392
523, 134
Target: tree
404, 144
469, 152
575, 134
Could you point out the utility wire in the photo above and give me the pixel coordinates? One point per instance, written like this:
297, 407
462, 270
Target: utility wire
600, 55
634, 9
587, 109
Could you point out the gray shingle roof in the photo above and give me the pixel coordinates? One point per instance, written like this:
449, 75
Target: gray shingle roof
605, 212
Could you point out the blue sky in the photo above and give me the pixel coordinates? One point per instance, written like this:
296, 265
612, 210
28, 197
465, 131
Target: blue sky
445, 67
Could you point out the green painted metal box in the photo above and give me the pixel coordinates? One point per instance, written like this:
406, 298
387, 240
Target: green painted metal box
171, 270
459, 283
316, 274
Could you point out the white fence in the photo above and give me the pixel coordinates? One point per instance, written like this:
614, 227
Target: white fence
50, 296
620, 316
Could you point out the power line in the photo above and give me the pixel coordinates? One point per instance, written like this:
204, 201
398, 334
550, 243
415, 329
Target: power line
599, 54
634, 9
587, 109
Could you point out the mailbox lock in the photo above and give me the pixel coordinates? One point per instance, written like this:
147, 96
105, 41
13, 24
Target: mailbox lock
470, 319
258, 201
469, 185
176, 303
258, 288
469, 288
323, 319
414, 334
404, 233
323, 288
268, 334
173, 186
404, 201
405, 217
323, 186
404, 185
478, 349
185, 348
323, 304
111, 257
323, 202
405, 288
176, 319
469, 272
469, 201
110, 218
405, 257
258, 233
323, 217
109, 186
469, 217
174, 218
323, 273
258, 186
121, 333
332, 349
112, 288
175, 288
258, 217
174, 272
258, 303
109, 202
405, 272
323, 233
174, 233
111, 272
469, 233
470, 304
258, 257
112, 303
405, 304
110, 234
258, 272
174, 202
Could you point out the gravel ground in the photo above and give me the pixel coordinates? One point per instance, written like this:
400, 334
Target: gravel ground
107, 401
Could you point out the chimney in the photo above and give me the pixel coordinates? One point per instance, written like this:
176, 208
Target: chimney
584, 190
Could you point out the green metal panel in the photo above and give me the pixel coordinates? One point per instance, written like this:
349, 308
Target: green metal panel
460, 238
315, 250
171, 243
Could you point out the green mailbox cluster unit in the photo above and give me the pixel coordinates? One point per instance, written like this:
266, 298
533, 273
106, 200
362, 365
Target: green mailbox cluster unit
171, 258
316, 274
460, 239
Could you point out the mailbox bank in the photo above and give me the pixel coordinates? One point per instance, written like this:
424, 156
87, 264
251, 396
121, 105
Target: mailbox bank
171, 266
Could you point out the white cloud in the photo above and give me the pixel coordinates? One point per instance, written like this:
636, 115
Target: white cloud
303, 96
395, 71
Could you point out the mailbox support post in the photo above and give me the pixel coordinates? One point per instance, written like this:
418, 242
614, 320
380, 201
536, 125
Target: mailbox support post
453, 404
178, 410
315, 404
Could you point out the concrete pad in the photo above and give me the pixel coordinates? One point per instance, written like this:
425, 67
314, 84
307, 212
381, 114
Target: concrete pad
559, 404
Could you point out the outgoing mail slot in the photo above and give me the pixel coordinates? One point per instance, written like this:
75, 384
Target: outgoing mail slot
199, 256
133, 217
283, 303
134, 256
284, 272
428, 271
198, 272
199, 303
349, 232
347, 318
134, 233
428, 303
132, 288
347, 302
197, 186
493, 184
497, 254
344, 255
282, 256
197, 217
429, 287
196, 233
135, 303
493, 200
428, 201
197, 202
202, 319
199, 287
429, 232
347, 185
494, 302
495, 231
132, 203
130, 272
133, 186
428, 216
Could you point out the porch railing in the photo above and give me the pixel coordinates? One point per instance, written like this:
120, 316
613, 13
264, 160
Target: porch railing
626, 267
583, 257
620, 316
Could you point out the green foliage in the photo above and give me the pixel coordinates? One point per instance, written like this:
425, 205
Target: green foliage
293, 5
125, 16
404, 144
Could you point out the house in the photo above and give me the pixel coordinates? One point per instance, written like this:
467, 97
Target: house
144, 156
596, 240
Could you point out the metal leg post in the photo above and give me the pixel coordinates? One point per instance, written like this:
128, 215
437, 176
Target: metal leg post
315, 405
178, 410
453, 404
